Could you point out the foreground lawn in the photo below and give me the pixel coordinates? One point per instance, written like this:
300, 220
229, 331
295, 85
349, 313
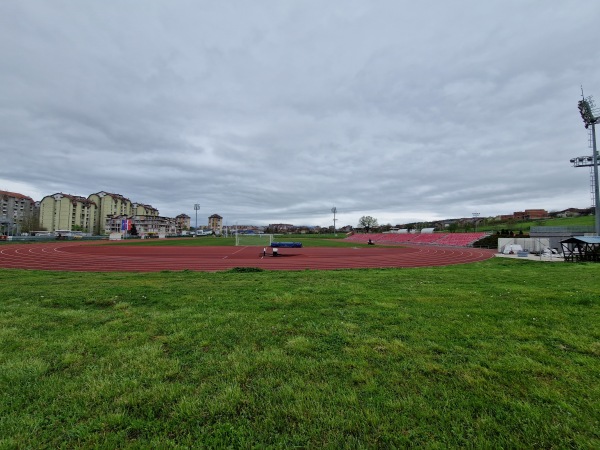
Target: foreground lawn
503, 353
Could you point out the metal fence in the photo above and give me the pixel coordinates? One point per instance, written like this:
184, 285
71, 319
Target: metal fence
14, 239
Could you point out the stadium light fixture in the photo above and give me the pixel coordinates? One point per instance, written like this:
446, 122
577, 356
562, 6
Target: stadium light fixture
585, 109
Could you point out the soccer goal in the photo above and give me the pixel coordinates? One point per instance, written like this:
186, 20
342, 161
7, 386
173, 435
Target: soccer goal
258, 240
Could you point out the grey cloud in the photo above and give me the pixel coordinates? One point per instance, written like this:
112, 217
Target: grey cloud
276, 111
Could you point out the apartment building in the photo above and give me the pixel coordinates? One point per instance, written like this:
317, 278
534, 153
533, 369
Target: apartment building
66, 212
18, 213
183, 222
145, 225
139, 209
108, 205
215, 223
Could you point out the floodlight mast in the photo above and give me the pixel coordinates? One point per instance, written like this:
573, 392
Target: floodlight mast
586, 109
196, 208
334, 211
476, 217
596, 188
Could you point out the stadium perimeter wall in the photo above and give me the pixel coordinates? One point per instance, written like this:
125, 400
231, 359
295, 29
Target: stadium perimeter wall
557, 234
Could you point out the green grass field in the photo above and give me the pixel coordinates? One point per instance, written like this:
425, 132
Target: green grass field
525, 226
502, 354
307, 241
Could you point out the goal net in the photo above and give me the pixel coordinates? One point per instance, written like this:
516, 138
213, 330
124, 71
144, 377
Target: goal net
258, 240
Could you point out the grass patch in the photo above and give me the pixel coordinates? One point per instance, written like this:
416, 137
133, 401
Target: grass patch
307, 241
525, 225
503, 353
246, 270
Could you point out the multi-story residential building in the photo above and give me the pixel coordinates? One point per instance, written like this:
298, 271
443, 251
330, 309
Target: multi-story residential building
108, 205
215, 223
183, 222
139, 209
64, 212
145, 226
18, 213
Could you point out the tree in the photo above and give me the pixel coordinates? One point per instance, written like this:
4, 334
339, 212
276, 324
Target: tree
30, 223
386, 227
133, 230
367, 222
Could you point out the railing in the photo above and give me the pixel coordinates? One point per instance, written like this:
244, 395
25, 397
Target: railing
50, 238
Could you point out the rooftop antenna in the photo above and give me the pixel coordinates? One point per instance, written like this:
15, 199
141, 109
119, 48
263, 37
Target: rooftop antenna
590, 115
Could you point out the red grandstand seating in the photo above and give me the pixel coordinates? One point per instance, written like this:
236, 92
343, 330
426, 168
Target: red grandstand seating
381, 238
449, 239
460, 239
427, 238
395, 238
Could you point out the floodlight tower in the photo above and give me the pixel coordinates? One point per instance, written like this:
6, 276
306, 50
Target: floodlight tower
590, 116
196, 208
334, 211
476, 217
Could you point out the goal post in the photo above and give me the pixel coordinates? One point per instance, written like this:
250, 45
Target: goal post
250, 240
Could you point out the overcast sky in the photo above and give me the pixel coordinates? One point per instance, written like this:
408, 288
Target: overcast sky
276, 111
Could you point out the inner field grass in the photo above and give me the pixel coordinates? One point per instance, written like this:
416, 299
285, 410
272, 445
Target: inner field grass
210, 241
503, 353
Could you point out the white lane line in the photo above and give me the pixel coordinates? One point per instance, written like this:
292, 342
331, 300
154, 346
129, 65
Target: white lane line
235, 253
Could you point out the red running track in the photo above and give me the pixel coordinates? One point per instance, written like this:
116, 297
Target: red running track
91, 257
